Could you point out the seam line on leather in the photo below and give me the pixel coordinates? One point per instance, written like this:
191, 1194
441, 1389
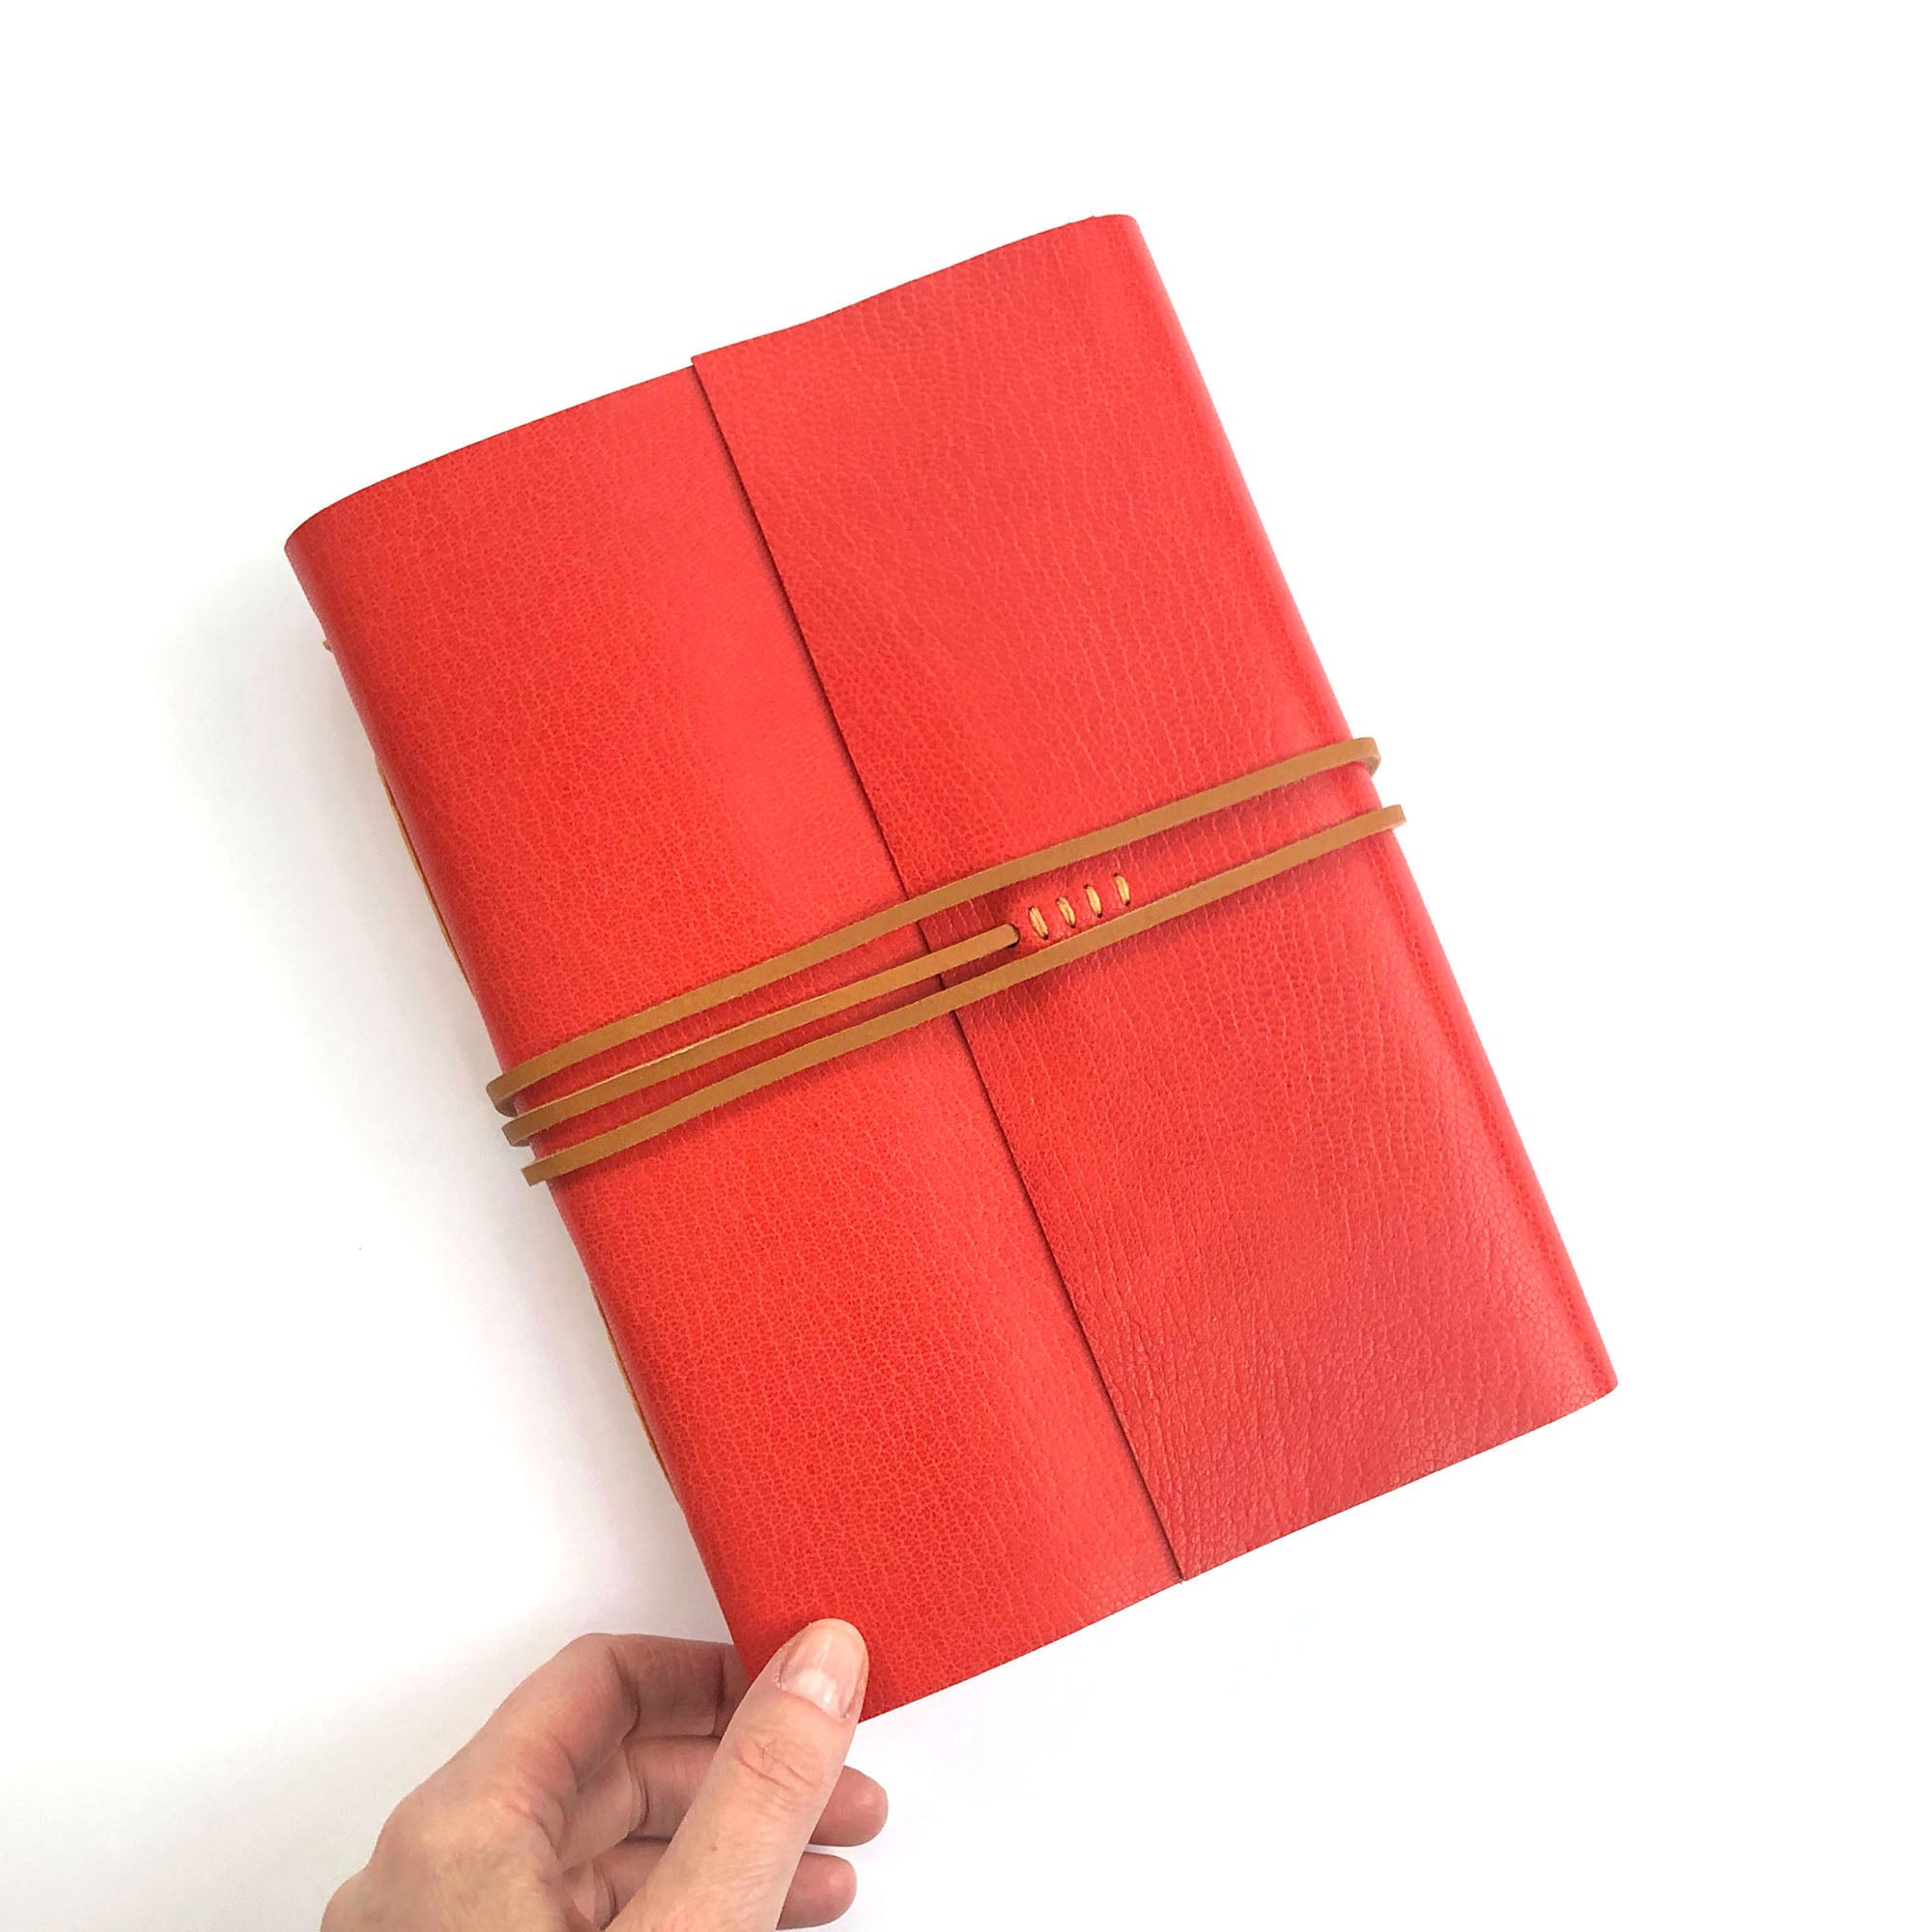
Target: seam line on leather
1047, 1247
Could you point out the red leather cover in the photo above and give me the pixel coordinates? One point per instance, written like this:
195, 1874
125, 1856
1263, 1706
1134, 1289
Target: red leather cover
990, 1329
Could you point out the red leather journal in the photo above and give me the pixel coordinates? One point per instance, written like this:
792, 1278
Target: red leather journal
969, 1296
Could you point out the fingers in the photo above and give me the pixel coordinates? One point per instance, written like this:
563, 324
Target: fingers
855, 1814
731, 1864
647, 1788
564, 1722
821, 1889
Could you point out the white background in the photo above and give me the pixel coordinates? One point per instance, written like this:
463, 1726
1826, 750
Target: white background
1577, 359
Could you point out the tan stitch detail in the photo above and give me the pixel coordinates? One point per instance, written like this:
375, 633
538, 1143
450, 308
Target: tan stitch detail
1067, 912
1121, 887
515, 1080
1038, 919
1094, 901
963, 993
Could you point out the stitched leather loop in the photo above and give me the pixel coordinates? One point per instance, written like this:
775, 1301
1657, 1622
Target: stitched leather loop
980, 986
503, 1090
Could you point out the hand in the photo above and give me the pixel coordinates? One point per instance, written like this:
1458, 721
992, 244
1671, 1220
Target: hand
637, 1782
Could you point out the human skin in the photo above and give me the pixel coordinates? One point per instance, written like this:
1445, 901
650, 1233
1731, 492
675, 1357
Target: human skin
637, 1784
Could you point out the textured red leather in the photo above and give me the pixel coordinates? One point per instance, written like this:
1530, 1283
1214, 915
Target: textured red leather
844, 1329
990, 1329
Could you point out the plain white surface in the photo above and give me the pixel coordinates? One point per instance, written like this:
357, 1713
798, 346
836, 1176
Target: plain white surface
1578, 361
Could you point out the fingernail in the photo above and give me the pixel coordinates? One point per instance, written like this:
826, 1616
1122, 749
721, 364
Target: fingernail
825, 1663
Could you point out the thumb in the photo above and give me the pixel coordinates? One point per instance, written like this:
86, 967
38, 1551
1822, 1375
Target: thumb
730, 1862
